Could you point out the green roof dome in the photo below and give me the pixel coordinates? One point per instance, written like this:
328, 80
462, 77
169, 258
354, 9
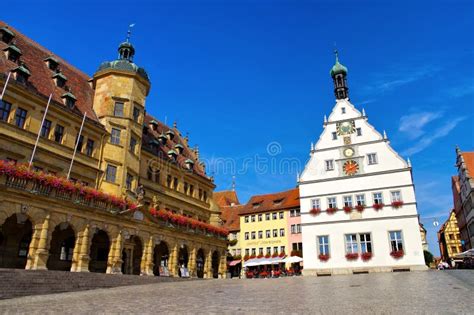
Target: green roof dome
337, 68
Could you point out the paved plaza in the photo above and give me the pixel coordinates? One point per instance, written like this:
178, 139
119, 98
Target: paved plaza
402, 293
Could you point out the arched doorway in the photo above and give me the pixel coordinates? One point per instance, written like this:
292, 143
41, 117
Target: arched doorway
61, 248
16, 235
132, 256
215, 264
200, 261
160, 259
183, 258
99, 252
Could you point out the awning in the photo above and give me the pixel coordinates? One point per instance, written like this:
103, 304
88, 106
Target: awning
234, 262
466, 254
263, 261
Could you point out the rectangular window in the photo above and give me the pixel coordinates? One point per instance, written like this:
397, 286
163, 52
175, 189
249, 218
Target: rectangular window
396, 242
20, 117
334, 136
396, 195
118, 109
378, 200
252, 218
133, 144
343, 110
169, 181
352, 246
275, 233
274, 215
372, 158
359, 132
175, 183
332, 202
282, 249
253, 235
282, 232
281, 215
246, 236
136, 114
347, 201
89, 147
58, 133
254, 252
46, 128
247, 252
260, 217
454, 249
260, 251
115, 136
260, 234
111, 173
323, 245
298, 228
360, 200
329, 165
293, 229
246, 219
267, 216
267, 233
5, 108
365, 243
79, 143
275, 249
129, 181
269, 250
315, 203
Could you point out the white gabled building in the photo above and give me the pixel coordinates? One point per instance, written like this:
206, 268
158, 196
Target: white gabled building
353, 169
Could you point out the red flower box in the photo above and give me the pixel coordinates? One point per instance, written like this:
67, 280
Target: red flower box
246, 257
331, 210
366, 256
260, 256
323, 257
397, 254
360, 208
352, 256
282, 255
397, 204
347, 209
268, 256
252, 256
296, 253
315, 211
378, 206
275, 255
249, 274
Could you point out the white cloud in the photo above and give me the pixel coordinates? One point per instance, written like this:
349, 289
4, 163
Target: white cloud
412, 125
425, 142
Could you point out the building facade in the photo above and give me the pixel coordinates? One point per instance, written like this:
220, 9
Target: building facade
230, 207
463, 197
424, 241
358, 205
449, 238
136, 198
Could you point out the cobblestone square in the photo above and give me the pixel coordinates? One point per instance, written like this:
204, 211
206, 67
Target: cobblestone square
401, 293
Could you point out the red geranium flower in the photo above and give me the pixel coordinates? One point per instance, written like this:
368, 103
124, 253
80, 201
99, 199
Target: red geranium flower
378, 206
347, 209
331, 210
360, 208
397, 204
352, 256
366, 256
397, 254
323, 257
315, 211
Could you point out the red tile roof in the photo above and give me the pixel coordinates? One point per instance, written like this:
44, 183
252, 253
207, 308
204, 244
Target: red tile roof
41, 81
271, 202
230, 217
226, 198
468, 158
161, 150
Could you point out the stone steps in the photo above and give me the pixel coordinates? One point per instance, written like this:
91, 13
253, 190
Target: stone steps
19, 282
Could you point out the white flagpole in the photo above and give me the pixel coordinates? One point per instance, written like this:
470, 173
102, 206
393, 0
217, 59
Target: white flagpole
5, 86
39, 132
77, 143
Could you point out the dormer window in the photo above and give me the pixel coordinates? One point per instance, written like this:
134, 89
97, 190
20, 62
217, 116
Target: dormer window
278, 201
153, 124
154, 143
189, 163
162, 138
22, 73
6, 34
256, 204
179, 147
13, 53
69, 100
60, 79
172, 154
145, 129
170, 134
52, 63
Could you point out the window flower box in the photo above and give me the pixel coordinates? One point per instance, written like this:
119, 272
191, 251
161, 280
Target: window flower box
347, 209
366, 256
397, 254
360, 208
397, 204
282, 254
315, 211
275, 255
252, 256
296, 253
378, 206
260, 256
323, 257
246, 257
268, 256
331, 210
352, 256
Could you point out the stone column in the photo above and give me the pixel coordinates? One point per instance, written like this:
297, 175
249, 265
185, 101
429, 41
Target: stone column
223, 266
208, 265
173, 262
33, 246
192, 262
114, 261
42, 253
147, 259
83, 254
76, 252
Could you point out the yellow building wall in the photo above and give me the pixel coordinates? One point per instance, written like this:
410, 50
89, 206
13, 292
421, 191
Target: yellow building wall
452, 236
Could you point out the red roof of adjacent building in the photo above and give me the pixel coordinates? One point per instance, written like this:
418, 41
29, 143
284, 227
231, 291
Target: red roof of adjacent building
270, 202
230, 217
226, 198
468, 158
41, 80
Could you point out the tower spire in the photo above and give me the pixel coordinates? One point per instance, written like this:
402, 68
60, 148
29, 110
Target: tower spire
129, 32
339, 73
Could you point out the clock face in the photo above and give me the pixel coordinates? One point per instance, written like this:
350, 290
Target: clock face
348, 152
345, 128
351, 167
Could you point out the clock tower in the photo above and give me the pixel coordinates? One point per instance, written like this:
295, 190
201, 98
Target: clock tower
367, 218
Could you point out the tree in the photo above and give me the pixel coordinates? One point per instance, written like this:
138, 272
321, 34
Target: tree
428, 257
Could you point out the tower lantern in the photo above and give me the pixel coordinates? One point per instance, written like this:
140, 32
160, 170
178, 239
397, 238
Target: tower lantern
339, 76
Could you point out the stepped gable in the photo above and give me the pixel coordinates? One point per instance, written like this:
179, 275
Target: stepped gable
161, 150
271, 202
41, 80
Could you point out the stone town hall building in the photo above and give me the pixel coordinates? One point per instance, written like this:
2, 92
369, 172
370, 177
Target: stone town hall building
47, 222
357, 197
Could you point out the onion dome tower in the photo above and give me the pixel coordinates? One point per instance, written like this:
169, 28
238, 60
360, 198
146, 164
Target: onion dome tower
339, 76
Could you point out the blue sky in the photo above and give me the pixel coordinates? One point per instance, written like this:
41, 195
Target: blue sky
248, 77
